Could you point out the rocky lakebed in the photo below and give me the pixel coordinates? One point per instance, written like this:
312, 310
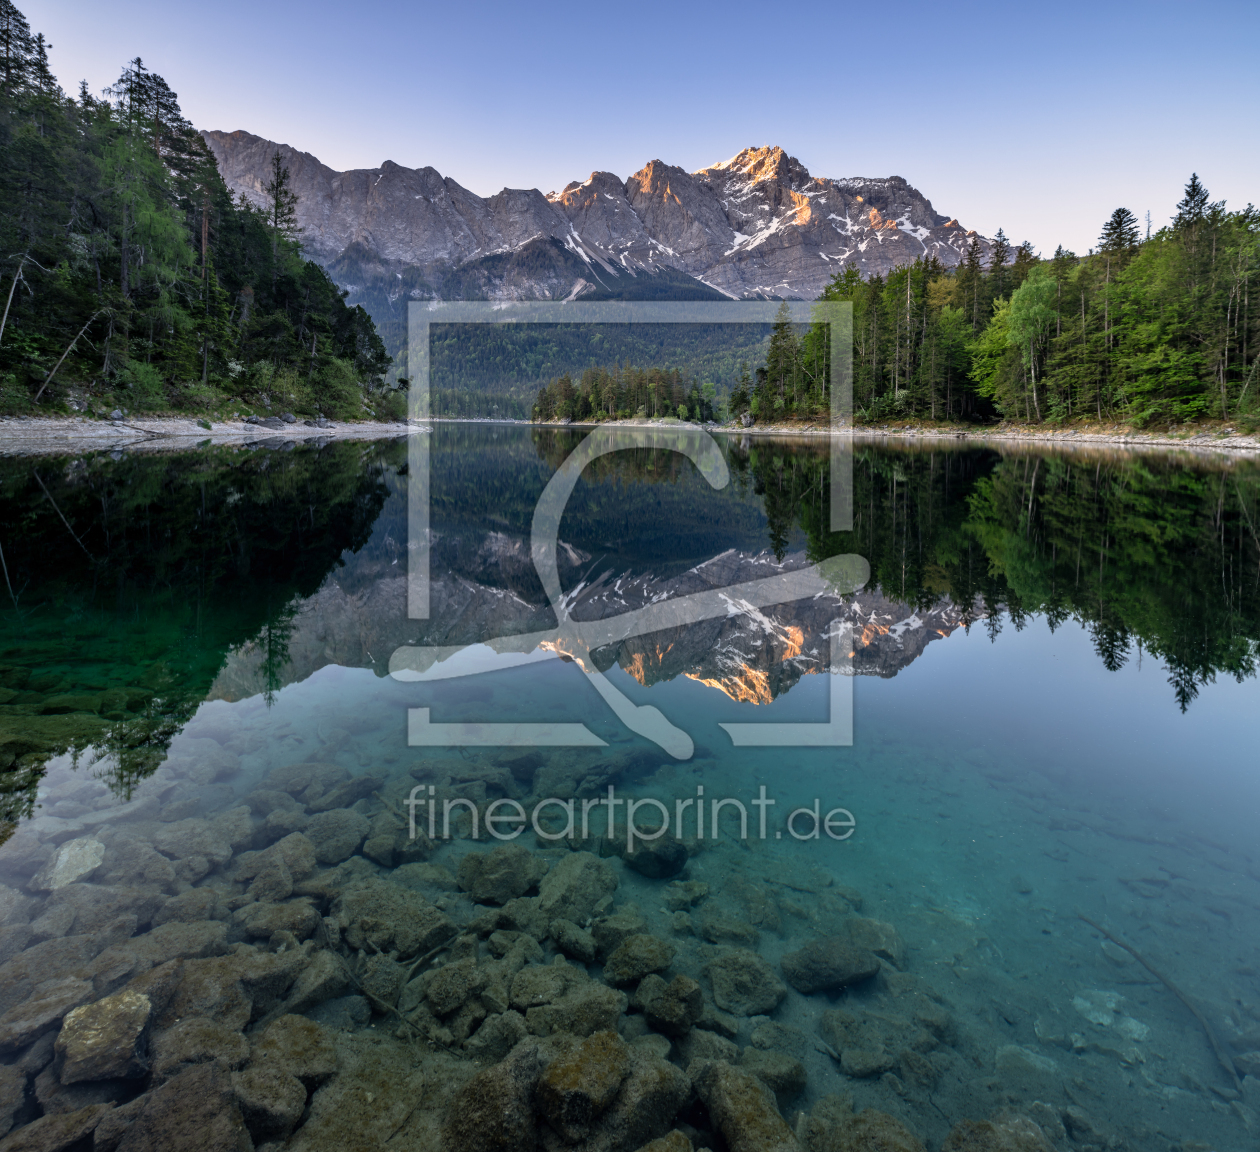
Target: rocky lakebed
263, 957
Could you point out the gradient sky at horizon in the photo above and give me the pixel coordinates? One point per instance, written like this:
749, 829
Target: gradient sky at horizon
1038, 119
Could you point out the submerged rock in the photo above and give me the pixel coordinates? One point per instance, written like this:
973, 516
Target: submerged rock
451, 985
299, 1046
234, 989
388, 918
875, 936
674, 1141
337, 834
670, 1008
588, 1008
712, 926
12, 1094
657, 859
195, 904
271, 1101
196, 1040
346, 793
744, 984
382, 1097
684, 894
609, 931
262, 921
1005, 1133
577, 1087
645, 1107
381, 979
306, 782
187, 940
106, 1040
186, 839
826, 965
195, 1111
572, 889
494, 1111
742, 1107
497, 1036
325, 978
832, 1127
342, 1014
500, 875
784, 1075
635, 957
701, 1045
544, 983
74, 860
49, 1002
573, 941
55, 1133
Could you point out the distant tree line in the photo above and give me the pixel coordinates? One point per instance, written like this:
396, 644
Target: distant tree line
624, 391
130, 275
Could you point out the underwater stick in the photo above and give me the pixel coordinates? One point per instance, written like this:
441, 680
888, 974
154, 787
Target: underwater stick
1222, 1056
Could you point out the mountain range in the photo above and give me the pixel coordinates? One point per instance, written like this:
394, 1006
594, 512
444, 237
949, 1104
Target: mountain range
756, 226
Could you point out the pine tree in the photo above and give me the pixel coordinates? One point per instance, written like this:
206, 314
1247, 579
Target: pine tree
781, 357
1193, 206
973, 268
1000, 253
16, 47
282, 204
1025, 260
41, 77
1120, 233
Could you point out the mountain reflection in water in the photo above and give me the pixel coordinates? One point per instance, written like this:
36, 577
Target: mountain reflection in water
138, 587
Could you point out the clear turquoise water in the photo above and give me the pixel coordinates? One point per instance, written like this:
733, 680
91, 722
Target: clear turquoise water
1003, 780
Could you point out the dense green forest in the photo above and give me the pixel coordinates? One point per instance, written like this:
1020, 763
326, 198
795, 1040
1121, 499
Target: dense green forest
1155, 331
133, 279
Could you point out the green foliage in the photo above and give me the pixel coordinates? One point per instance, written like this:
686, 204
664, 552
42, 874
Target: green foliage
128, 269
621, 392
1161, 330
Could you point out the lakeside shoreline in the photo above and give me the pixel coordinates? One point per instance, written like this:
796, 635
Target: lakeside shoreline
1203, 441
51, 435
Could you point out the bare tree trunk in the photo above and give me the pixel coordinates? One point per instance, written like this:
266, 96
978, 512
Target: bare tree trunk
12, 288
122, 245
66, 353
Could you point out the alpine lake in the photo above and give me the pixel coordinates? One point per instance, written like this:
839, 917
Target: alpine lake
321, 764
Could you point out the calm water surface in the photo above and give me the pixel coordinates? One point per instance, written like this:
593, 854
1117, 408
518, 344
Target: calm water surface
1046, 914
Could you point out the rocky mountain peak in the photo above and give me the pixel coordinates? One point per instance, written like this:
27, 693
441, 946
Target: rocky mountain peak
758, 225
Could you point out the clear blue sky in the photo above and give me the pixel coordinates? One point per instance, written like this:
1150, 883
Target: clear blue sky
1038, 118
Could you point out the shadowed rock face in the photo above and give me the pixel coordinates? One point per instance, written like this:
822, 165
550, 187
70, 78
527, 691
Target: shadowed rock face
752, 655
757, 225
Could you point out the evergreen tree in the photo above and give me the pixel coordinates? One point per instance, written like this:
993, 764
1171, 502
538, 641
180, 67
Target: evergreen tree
282, 204
16, 47
1193, 206
1120, 233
